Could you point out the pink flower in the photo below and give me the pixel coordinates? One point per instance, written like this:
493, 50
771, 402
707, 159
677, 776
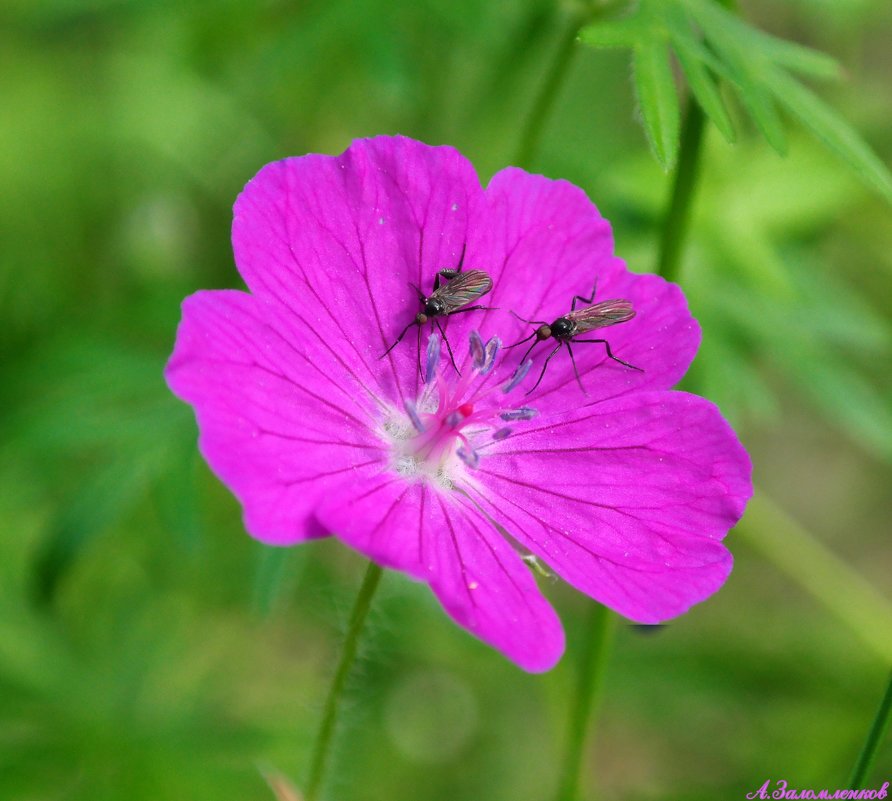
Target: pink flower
625, 492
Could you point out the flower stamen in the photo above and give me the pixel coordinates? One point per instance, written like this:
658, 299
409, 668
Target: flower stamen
433, 358
450, 420
414, 418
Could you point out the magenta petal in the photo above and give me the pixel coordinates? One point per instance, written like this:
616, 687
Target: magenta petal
627, 500
281, 418
544, 242
444, 541
624, 488
339, 239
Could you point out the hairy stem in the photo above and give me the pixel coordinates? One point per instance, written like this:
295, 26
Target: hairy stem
589, 681
531, 135
322, 747
684, 181
873, 742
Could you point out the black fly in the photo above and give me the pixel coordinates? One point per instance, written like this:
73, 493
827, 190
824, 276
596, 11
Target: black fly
458, 289
569, 326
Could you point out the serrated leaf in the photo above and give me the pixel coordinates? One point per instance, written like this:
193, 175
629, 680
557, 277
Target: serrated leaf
723, 31
795, 56
833, 131
658, 99
623, 32
693, 56
761, 45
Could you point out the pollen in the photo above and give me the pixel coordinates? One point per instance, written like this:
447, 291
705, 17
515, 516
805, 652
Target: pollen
407, 466
447, 430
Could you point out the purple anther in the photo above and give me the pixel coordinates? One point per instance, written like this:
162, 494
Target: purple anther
453, 419
470, 457
519, 374
502, 433
523, 413
478, 353
490, 352
433, 358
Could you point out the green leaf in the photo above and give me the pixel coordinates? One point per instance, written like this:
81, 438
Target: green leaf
794, 56
624, 32
728, 35
658, 99
833, 131
104, 496
846, 397
760, 45
712, 42
693, 56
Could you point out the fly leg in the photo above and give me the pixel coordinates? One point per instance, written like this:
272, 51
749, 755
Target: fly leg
531, 322
610, 352
587, 301
450, 272
448, 346
418, 352
576, 369
544, 366
398, 339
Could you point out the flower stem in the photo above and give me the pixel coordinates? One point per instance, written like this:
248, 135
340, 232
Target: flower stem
322, 747
548, 92
678, 213
816, 569
874, 740
589, 681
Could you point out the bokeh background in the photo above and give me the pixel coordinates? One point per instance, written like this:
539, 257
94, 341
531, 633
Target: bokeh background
150, 650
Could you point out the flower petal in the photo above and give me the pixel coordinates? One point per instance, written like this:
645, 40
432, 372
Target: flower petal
543, 242
281, 416
627, 500
443, 540
339, 239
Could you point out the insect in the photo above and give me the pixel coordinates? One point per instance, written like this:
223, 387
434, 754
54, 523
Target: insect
569, 326
453, 290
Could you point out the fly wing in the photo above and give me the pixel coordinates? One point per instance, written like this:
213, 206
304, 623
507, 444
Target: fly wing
465, 288
600, 315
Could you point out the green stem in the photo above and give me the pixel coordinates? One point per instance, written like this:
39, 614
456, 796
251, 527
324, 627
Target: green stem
834, 584
678, 213
874, 740
548, 92
322, 748
589, 681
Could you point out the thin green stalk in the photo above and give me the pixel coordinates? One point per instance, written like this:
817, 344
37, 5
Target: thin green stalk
548, 91
814, 567
874, 740
834, 584
677, 218
589, 681
678, 213
322, 748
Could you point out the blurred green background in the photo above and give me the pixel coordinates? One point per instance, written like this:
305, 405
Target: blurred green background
150, 650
